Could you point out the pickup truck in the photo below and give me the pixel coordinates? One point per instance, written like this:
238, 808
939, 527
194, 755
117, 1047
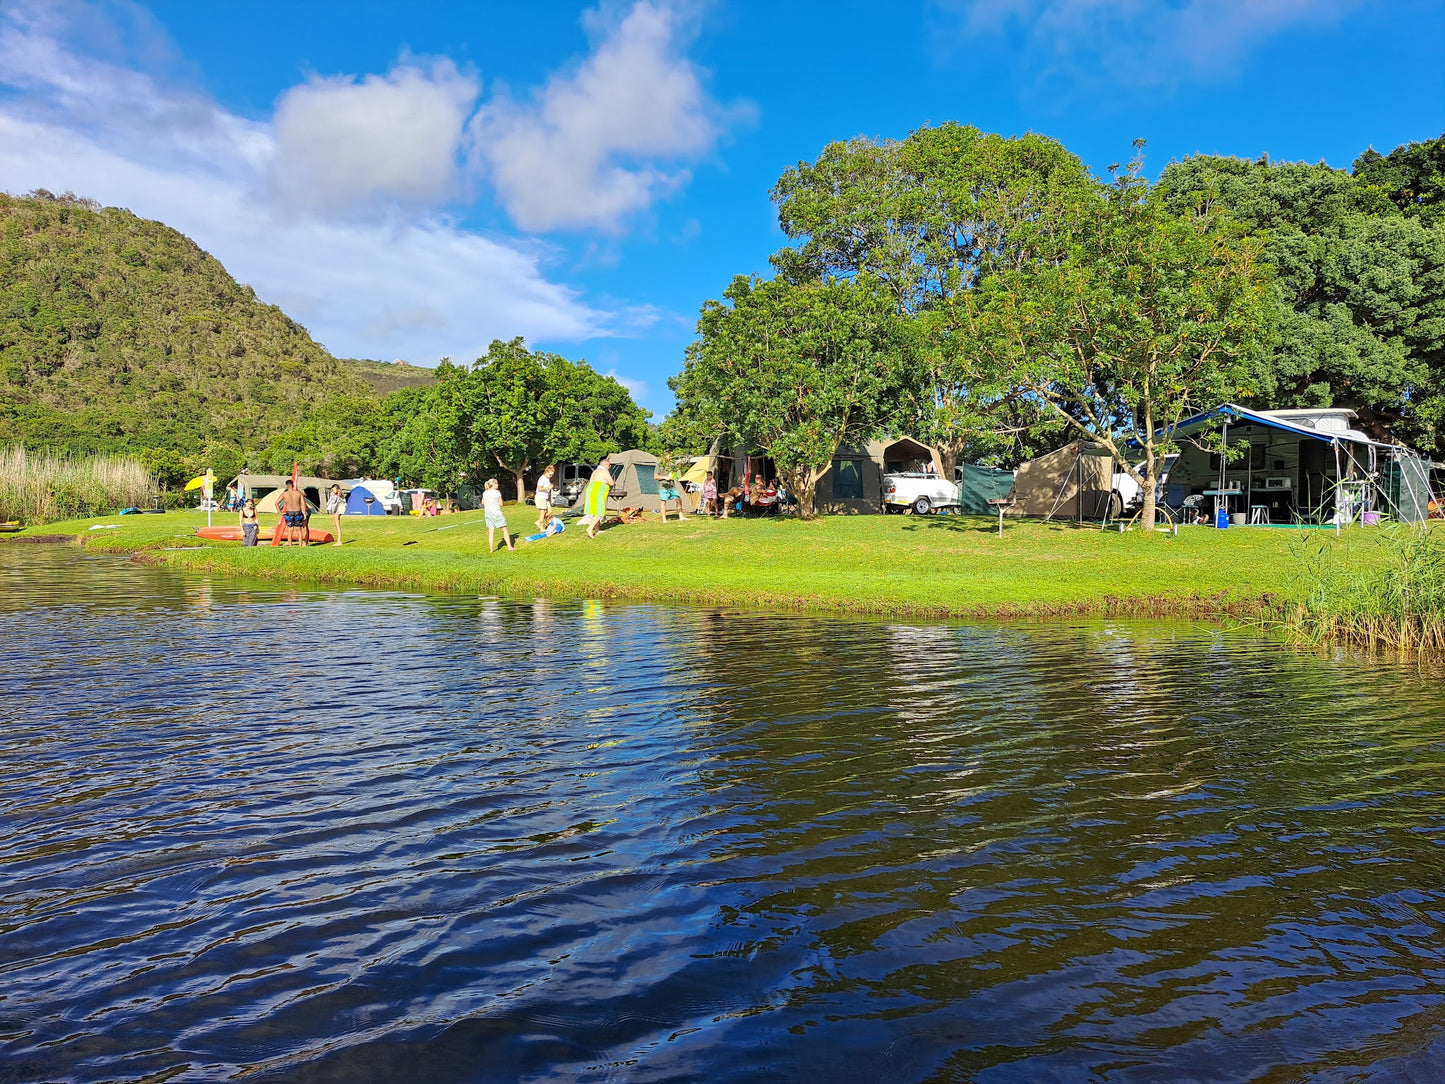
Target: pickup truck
920, 492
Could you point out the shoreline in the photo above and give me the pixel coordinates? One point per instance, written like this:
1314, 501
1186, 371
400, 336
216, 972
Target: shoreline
939, 568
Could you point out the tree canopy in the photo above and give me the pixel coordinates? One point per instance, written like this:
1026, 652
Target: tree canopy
797, 368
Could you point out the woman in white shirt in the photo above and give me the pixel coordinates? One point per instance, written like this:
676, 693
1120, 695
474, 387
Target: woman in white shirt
496, 519
543, 499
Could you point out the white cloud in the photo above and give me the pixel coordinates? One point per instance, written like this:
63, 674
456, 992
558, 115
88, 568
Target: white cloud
1136, 43
584, 151
342, 145
383, 285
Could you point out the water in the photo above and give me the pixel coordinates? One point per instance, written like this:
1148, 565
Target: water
354, 836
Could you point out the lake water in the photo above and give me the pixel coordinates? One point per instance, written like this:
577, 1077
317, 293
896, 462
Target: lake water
310, 835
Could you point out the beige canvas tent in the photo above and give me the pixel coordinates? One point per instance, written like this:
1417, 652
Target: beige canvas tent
634, 481
1075, 482
266, 490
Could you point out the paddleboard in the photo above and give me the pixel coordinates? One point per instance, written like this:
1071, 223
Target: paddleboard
233, 534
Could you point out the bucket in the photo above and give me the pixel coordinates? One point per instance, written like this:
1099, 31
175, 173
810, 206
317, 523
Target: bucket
1370, 519
1239, 519
1221, 519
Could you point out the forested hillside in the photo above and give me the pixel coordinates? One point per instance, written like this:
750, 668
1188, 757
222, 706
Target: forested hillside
119, 334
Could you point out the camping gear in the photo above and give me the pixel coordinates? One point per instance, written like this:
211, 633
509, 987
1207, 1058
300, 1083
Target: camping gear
1073, 482
363, 502
634, 482
266, 534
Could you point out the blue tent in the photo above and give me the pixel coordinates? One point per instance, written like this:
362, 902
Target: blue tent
357, 503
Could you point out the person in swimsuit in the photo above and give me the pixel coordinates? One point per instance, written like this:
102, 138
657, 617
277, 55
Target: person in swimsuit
293, 515
667, 492
336, 504
250, 525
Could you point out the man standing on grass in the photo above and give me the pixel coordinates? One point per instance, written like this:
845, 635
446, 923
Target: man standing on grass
595, 499
293, 513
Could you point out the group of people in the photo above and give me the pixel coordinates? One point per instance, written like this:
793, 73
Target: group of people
294, 525
757, 496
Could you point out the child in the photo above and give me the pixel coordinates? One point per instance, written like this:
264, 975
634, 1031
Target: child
250, 525
709, 494
492, 509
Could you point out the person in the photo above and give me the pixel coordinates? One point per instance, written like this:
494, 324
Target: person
667, 491
250, 525
241, 480
233, 502
543, 499
336, 504
293, 514
709, 494
496, 519
598, 486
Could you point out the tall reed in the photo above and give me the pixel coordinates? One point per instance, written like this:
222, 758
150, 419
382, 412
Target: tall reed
1393, 600
42, 489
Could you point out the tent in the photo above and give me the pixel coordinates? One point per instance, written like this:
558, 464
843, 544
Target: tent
1075, 482
265, 489
978, 485
634, 481
363, 502
271, 503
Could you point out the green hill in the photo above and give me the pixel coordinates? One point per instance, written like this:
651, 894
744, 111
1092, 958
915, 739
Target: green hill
119, 334
385, 377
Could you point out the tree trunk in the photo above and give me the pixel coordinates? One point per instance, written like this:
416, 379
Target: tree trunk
1151, 484
521, 483
803, 485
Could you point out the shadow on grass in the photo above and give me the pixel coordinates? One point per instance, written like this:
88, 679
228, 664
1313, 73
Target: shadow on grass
989, 524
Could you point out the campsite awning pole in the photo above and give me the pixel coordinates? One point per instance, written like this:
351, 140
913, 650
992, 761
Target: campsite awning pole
1335, 444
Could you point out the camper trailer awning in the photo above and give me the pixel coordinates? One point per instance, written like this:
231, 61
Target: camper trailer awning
1236, 415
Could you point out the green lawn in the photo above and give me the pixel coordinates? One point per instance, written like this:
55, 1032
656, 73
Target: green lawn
934, 565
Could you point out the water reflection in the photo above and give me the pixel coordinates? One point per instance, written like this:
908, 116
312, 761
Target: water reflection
367, 836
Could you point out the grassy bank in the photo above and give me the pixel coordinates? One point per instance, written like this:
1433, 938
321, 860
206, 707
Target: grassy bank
43, 488
905, 565
1392, 597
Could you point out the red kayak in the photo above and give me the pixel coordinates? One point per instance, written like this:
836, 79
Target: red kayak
233, 534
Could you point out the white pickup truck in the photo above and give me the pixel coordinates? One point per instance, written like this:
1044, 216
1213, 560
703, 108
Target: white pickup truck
920, 492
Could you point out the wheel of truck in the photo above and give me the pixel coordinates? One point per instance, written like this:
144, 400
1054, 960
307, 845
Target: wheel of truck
922, 506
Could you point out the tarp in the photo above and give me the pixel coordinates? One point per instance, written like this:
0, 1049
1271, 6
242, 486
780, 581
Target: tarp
1073, 482
356, 503
697, 473
979, 485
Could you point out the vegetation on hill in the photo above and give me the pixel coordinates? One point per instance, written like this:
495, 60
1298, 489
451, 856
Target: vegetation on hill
385, 377
120, 335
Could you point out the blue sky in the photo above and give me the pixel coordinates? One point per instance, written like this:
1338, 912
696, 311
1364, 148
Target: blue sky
412, 180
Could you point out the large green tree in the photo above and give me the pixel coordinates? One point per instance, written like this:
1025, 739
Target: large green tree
1359, 280
1149, 316
928, 218
798, 368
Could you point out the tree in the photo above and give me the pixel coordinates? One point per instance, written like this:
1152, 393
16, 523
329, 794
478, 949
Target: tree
1412, 177
1359, 285
796, 368
527, 408
1148, 317
928, 218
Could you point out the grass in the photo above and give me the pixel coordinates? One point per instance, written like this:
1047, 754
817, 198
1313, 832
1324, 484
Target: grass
1393, 601
41, 489
935, 566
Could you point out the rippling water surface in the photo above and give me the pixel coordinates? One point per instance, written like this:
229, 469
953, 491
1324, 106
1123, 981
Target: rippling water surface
352, 836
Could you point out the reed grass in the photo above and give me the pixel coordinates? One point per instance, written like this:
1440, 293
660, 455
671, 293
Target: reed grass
1393, 601
37, 489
